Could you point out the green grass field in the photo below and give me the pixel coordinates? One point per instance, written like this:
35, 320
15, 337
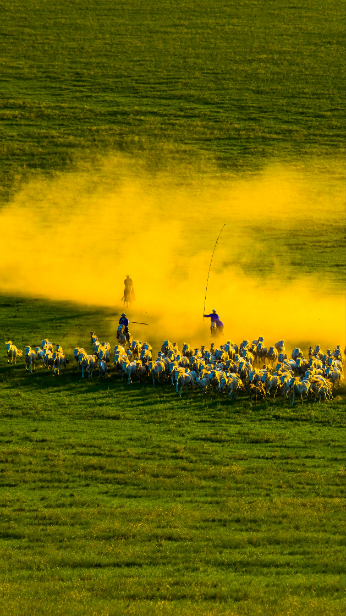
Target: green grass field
126, 499
121, 499
214, 84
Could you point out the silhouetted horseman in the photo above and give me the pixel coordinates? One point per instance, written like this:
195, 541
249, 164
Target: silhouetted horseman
129, 292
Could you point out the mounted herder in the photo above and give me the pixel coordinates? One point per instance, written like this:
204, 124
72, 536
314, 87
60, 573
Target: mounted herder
216, 326
129, 292
123, 334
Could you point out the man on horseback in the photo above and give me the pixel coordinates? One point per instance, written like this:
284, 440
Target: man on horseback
129, 292
128, 282
125, 322
216, 326
123, 333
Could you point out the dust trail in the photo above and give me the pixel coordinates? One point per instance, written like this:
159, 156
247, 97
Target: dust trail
77, 236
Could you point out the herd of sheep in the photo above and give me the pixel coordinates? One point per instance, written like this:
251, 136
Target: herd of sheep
228, 369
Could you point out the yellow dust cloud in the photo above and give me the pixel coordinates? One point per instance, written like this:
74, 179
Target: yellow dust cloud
75, 238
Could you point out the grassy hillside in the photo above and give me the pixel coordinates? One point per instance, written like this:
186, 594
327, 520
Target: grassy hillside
121, 499
231, 84
125, 499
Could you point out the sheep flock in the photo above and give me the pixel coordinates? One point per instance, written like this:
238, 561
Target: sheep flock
230, 370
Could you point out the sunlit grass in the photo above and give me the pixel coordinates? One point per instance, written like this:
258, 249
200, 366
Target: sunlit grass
126, 499
121, 499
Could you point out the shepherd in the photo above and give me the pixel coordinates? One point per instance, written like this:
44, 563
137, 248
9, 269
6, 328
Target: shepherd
128, 282
216, 326
129, 292
125, 322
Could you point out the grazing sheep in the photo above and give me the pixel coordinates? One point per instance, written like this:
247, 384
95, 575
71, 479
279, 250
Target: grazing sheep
12, 352
147, 346
47, 345
145, 356
300, 388
40, 354
297, 352
272, 383
272, 354
102, 368
88, 364
280, 346
167, 346
184, 380
93, 337
59, 359
234, 385
257, 390
136, 347
30, 358
157, 370
187, 350
222, 368
131, 369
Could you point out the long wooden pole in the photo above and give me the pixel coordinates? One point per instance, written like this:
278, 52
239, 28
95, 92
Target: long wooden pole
211, 260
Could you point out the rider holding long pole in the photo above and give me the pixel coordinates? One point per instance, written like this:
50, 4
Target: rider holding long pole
214, 317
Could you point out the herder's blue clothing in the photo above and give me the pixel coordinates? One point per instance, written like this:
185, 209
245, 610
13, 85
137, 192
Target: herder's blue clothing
124, 321
214, 317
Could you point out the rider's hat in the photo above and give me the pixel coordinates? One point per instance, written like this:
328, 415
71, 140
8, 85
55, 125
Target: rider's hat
214, 310
123, 314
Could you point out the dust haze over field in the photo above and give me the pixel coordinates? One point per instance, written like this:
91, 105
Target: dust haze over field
77, 236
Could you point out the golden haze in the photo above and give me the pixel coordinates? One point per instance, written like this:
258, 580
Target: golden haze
75, 238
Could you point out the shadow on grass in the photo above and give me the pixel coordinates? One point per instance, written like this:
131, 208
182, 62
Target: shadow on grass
145, 395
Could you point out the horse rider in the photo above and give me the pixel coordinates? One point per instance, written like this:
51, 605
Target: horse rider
128, 282
125, 322
214, 317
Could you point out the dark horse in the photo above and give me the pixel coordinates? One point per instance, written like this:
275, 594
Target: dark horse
129, 296
216, 332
